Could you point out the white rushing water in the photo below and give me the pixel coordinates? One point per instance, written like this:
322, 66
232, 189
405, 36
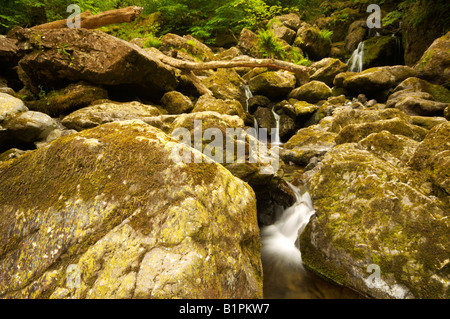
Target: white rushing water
355, 63
280, 253
276, 139
248, 96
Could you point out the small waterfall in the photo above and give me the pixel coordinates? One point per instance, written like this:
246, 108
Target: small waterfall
280, 253
355, 63
276, 139
398, 56
248, 95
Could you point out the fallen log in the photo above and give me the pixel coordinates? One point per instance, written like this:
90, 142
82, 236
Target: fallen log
251, 62
89, 21
301, 72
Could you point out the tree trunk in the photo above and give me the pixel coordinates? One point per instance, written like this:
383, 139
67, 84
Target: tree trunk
298, 70
89, 21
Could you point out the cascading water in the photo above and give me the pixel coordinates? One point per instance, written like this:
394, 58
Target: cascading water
248, 96
280, 253
355, 63
276, 139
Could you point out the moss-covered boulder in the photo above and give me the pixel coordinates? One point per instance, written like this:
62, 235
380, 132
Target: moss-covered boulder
176, 103
273, 84
106, 213
432, 157
248, 43
434, 65
381, 51
186, 44
73, 97
309, 142
438, 92
225, 84
379, 228
210, 103
356, 33
326, 70
311, 92
107, 111
31, 126
374, 80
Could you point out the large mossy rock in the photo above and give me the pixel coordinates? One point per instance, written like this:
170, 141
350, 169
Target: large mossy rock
62, 102
187, 44
106, 213
64, 56
434, 65
381, 51
107, 111
273, 84
311, 41
326, 70
311, 92
372, 213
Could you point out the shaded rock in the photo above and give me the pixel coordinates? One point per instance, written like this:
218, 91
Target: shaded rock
135, 225
257, 100
71, 55
369, 211
356, 33
381, 51
447, 113
309, 39
188, 44
229, 107
265, 118
304, 110
9, 53
282, 32
327, 69
31, 126
311, 92
176, 103
412, 105
64, 101
10, 154
248, 43
95, 115
434, 65
272, 84
290, 20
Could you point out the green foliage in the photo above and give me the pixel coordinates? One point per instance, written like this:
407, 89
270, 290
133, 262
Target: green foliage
269, 45
392, 18
326, 34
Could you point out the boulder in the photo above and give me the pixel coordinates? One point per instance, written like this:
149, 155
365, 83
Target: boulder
374, 215
64, 56
311, 92
10, 107
106, 112
438, 92
210, 103
432, 156
434, 65
307, 143
381, 51
30, 126
248, 43
188, 44
447, 113
73, 97
176, 103
9, 53
125, 221
291, 20
374, 79
282, 32
356, 33
273, 84
225, 84
309, 39
326, 70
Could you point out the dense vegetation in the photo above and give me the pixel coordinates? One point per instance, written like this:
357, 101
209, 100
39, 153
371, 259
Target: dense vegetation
207, 18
